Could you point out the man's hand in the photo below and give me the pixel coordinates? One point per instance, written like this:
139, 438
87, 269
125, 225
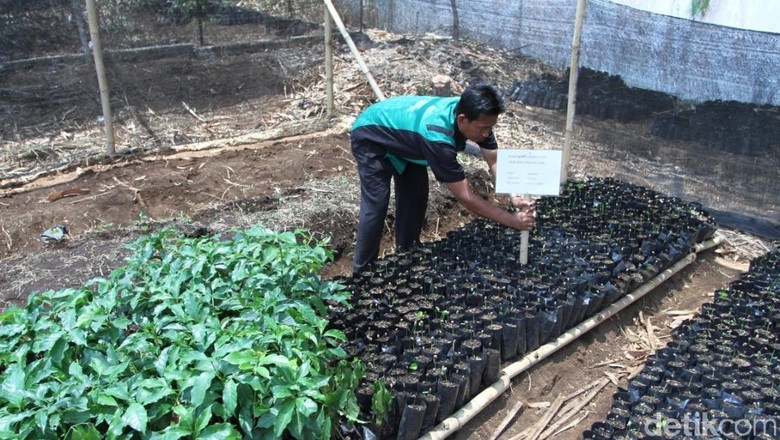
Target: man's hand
524, 204
524, 220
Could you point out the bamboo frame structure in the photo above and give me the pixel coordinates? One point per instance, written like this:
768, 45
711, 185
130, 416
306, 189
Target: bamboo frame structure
573, 72
97, 51
328, 64
337, 19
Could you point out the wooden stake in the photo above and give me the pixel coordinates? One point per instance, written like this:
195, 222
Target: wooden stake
567, 411
571, 410
571, 425
524, 237
541, 424
97, 52
573, 71
351, 44
507, 420
329, 62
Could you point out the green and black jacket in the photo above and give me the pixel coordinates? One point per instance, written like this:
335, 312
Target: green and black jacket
417, 129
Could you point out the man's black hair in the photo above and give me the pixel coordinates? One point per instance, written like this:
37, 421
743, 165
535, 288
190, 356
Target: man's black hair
480, 99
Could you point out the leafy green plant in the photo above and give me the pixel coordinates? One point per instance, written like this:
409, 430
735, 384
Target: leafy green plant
193, 338
381, 403
699, 7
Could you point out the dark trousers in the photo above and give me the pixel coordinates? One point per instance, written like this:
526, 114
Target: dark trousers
411, 201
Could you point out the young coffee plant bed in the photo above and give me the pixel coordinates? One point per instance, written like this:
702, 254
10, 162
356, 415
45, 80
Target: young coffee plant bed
432, 325
193, 338
718, 378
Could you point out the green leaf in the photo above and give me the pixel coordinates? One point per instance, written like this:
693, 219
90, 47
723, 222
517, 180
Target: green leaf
7, 331
84, 432
13, 388
135, 417
203, 419
230, 397
243, 357
147, 396
57, 352
185, 415
104, 399
338, 335
274, 359
42, 419
201, 384
6, 420
305, 406
222, 431
116, 424
46, 342
173, 432
286, 408
280, 391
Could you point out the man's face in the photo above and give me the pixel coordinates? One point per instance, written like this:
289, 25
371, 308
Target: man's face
477, 130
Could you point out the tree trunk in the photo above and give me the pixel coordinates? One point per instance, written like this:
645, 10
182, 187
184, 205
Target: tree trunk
200, 31
455, 21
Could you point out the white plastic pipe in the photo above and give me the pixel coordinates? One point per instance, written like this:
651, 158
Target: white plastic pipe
456, 421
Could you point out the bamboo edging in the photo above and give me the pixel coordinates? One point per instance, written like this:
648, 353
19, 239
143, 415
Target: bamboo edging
458, 420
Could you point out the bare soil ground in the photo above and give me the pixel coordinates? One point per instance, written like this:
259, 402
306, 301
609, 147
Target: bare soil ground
309, 181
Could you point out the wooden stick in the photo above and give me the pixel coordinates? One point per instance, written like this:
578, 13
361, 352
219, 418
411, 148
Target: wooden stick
192, 112
573, 73
569, 412
328, 25
541, 424
650, 334
572, 424
97, 53
337, 19
507, 420
524, 235
527, 431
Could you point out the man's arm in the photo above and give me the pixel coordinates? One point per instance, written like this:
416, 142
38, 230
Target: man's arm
481, 207
491, 158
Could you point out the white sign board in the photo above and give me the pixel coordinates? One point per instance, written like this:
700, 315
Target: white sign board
529, 172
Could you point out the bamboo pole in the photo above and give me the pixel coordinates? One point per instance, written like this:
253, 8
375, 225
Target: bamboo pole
97, 52
351, 44
573, 71
328, 64
459, 419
